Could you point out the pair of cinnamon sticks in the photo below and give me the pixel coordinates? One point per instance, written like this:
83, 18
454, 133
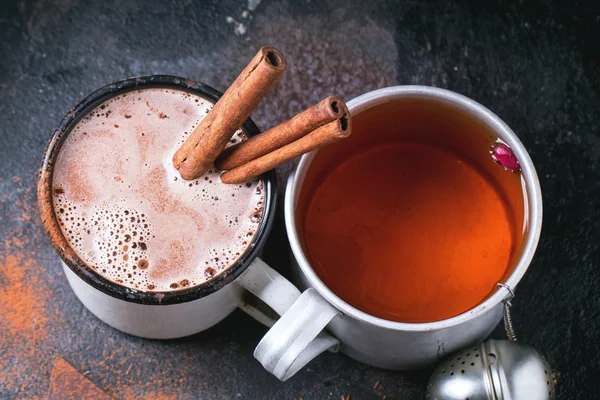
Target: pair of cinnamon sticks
324, 123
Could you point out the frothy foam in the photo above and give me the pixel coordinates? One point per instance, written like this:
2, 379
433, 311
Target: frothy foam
124, 208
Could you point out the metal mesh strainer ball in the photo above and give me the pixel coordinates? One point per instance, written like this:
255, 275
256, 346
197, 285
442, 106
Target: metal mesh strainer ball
495, 370
460, 376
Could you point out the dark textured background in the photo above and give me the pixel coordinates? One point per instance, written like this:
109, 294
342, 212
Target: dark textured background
534, 63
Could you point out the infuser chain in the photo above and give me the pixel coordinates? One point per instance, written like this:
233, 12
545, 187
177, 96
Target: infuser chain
508, 325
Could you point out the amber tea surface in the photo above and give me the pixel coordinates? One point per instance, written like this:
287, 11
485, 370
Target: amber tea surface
410, 219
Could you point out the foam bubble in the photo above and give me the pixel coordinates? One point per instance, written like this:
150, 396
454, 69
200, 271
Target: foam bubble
126, 211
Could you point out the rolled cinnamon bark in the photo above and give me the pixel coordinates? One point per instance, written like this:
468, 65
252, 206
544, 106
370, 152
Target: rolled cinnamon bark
325, 111
207, 141
318, 138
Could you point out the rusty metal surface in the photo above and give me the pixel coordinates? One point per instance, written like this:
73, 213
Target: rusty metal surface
534, 64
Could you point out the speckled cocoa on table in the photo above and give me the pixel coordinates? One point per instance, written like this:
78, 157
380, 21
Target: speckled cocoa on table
534, 63
67, 383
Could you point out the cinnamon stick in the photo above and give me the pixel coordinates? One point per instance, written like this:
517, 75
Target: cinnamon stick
325, 111
318, 138
207, 141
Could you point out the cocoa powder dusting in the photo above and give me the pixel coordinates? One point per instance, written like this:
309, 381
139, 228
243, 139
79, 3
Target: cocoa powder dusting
24, 300
21, 302
68, 383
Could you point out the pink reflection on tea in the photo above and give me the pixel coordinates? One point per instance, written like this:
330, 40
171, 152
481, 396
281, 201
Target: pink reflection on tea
504, 156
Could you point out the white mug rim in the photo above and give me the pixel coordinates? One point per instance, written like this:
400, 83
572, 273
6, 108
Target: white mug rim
534, 204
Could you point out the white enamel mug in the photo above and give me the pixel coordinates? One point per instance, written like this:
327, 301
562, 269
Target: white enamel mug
375, 341
166, 315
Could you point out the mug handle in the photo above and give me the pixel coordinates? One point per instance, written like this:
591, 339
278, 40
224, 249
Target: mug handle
297, 337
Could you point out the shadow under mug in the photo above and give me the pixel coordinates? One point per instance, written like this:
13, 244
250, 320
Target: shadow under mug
172, 314
375, 341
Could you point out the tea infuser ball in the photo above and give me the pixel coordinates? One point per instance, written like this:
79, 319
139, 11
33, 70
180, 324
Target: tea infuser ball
494, 370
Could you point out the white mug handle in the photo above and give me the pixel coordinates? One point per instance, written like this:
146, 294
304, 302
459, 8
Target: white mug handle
297, 337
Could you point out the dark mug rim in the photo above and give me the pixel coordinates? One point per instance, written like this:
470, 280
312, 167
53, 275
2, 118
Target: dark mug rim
87, 273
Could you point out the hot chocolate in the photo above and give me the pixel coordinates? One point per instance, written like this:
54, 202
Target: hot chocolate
128, 214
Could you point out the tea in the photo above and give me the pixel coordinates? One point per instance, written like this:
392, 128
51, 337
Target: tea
410, 219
